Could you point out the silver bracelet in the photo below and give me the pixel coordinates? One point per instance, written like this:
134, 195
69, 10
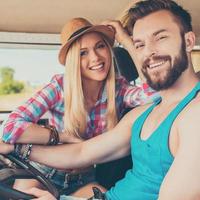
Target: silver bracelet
26, 151
17, 149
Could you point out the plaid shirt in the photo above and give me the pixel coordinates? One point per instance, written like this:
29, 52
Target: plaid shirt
50, 99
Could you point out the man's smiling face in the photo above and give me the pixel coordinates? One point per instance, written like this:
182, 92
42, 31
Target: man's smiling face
160, 49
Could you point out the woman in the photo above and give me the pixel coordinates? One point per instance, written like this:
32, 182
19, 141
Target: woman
83, 103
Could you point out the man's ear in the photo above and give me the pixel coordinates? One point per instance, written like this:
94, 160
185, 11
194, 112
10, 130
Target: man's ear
189, 41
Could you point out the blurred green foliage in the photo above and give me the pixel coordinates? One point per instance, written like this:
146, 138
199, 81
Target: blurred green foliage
7, 83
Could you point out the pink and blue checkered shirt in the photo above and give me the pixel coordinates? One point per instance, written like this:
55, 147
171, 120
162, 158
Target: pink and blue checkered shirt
50, 99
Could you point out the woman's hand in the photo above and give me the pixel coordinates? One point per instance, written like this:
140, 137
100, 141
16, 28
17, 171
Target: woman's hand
6, 148
121, 35
126, 41
69, 138
40, 194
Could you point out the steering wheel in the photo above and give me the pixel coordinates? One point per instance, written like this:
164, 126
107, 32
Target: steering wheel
11, 168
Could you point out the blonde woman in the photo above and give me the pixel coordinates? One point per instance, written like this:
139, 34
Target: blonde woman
83, 103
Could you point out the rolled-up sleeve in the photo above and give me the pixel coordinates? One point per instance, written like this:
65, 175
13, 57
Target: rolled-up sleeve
135, 95
31, 111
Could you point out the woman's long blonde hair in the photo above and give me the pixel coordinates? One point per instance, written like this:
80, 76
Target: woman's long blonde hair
75, 116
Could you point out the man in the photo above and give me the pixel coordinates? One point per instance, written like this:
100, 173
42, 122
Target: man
164, 136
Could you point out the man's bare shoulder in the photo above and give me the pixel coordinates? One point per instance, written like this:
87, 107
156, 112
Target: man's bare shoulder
188, 121
192, 109
132, 115
187, 155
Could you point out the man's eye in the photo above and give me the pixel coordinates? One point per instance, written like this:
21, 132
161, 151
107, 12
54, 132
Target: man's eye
83, 53
161, 37
139, 46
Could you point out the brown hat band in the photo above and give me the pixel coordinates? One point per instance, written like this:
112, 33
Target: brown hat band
79, 31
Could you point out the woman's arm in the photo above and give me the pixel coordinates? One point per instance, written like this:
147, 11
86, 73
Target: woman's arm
134, 95
111, 145
21, 124
125, 40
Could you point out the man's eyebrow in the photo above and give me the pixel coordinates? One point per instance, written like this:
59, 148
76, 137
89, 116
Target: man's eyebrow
154, 34
159, 31
136, 40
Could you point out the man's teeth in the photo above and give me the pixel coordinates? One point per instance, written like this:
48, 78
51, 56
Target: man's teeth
156, 64
97, 67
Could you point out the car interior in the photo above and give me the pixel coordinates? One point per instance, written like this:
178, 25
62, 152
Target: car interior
32, 27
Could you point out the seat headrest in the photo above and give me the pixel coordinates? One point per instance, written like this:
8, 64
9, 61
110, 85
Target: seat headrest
124, 64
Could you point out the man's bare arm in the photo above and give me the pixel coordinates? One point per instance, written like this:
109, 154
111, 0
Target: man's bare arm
108, 146
183, 179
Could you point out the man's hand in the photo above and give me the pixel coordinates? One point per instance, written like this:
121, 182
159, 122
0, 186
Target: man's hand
41, 194
6, 148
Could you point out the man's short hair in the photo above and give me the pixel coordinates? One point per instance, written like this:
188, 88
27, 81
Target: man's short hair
146, 7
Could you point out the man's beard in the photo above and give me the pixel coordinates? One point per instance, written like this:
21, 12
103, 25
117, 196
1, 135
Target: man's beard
172, 74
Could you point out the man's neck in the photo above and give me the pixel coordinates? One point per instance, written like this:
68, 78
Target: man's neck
180, 88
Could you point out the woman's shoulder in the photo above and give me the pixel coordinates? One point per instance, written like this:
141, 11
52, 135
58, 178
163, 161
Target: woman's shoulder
58, 79
121, 80
119, 77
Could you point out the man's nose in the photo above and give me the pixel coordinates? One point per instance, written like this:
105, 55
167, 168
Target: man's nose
150, 50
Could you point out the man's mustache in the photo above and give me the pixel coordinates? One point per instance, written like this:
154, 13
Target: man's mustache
155, 58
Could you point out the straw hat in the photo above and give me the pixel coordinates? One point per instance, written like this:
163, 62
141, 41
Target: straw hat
76, 28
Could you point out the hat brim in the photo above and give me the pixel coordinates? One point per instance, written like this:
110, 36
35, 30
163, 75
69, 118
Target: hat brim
109, 34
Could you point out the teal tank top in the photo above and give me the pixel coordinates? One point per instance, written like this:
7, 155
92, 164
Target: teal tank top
151, 157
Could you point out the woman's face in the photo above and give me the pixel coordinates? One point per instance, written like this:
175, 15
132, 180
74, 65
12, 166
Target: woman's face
95, 57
